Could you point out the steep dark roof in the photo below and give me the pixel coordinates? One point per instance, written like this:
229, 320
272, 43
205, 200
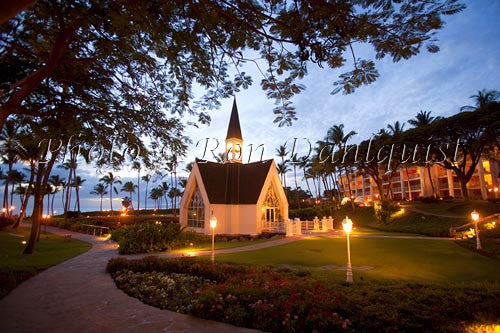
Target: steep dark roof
234, 130
233, 183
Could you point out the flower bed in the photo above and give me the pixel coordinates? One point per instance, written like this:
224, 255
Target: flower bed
287, 300
236, 294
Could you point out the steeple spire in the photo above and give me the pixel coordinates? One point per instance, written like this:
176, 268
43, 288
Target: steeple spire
234, 140
234, 130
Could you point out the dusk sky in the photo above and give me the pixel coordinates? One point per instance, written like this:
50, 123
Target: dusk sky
468, 61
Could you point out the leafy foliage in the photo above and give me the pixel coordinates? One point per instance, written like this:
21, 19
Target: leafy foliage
131, 59
383, 210
146, 238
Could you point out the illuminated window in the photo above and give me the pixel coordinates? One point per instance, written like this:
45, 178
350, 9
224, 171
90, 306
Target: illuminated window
486, 166
270, 208
196, 210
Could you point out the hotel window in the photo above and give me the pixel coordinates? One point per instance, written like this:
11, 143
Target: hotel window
196, 210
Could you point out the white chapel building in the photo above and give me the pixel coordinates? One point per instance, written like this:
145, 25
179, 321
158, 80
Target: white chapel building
246, 198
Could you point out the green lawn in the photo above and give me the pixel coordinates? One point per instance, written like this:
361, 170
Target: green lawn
16, 267
457, 208
391, 259
401, 222
221, 245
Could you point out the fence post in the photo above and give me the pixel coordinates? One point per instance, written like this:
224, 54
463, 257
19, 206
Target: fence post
316, 223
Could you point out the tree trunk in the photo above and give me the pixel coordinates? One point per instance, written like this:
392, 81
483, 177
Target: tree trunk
138, 190
463, 186
431, 181
111, 196
296, 186
11, 198
52, 205
146, 197
409, 185
68, 189
24, 205
77, 189
6, 189
349, 186
35, 223
100, 209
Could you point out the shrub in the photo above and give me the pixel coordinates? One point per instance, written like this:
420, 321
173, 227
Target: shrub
64, 224
185, 238
383, 210
76, 227
204, 269
147, 238
429, 200
5, 222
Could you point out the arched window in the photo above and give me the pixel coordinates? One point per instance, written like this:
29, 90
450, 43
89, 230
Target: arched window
196, 210
271, 206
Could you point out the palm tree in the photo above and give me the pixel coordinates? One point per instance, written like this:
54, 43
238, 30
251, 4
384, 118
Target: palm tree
9, 136
164, 191
172, 168
100, 190
130, 188
337, 136
282, 170
16, 178
77, 183
183, 182
137, 166
21, 191
295, 162
155, 194
71, 166
396, 129
423, 118
482, 98
57, 184
28, 152
147, 179
110, 180
303, 164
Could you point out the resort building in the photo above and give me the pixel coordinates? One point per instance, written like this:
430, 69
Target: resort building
419, 181
246, 198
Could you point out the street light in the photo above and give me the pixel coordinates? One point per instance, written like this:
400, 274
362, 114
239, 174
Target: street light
213, 224
347, 225
475, 217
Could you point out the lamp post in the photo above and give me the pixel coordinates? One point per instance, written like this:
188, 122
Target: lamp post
213, 224
475, 217
347, 225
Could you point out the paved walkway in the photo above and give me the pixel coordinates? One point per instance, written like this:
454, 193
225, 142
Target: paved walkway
79, 296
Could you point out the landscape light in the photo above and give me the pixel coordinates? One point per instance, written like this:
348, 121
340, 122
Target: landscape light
475, 218
213, 224
347, 225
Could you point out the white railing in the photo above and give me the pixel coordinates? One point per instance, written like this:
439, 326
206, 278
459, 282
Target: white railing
273, 226
294, 227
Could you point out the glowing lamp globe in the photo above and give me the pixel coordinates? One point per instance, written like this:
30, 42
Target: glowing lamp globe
474, 215
213, 222
347, 224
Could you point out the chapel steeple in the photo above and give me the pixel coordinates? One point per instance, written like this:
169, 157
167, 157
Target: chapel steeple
234, 139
